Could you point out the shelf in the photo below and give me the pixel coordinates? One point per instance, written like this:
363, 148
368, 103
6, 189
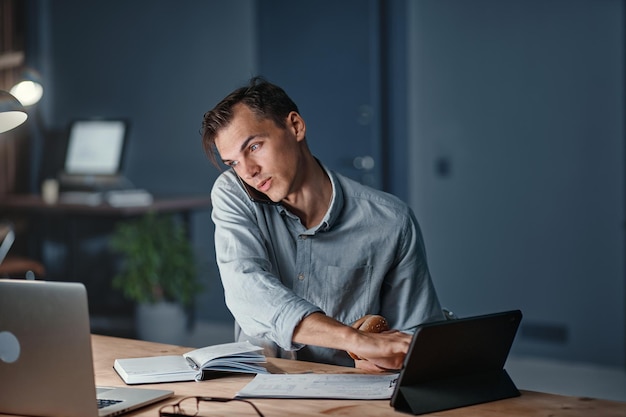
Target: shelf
10, 60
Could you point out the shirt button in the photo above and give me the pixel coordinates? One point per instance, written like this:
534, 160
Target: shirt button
301, 276
302, 237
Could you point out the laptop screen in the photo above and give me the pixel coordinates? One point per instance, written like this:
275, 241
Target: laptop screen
95, 147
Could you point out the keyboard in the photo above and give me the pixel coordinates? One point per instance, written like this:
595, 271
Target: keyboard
105, 403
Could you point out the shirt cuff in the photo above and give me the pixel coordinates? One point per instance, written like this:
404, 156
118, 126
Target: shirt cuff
289, 320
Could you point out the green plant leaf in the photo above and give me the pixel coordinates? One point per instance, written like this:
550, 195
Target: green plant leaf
158, 261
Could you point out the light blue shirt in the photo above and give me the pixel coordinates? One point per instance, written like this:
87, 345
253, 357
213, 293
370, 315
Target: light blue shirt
367, 256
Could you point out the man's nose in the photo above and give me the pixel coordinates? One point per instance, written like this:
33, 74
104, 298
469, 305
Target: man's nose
250, 169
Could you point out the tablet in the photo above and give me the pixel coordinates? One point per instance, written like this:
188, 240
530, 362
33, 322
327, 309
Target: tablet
458, 362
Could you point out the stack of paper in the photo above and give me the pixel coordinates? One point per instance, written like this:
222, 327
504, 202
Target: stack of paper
129, 198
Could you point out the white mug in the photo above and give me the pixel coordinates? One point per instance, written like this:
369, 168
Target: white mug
50, 191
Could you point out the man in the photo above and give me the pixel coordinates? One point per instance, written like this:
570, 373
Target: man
303, 252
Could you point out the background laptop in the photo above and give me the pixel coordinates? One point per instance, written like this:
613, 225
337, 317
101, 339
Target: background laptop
46, 364
457, 362
94, 155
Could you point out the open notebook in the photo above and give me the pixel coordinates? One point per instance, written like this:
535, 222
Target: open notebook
46, 364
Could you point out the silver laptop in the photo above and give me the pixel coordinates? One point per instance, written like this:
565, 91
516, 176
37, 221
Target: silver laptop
46, 365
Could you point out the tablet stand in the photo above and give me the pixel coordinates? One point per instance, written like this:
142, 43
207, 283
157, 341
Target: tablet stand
453, 392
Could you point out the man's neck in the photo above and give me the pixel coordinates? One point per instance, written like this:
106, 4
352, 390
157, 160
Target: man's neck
312, 200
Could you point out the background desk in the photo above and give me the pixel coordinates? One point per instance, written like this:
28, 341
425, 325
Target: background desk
107, 349
33, 204
71, 241
35, 218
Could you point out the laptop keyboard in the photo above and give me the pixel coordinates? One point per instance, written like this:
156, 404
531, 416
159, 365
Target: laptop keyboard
105, 403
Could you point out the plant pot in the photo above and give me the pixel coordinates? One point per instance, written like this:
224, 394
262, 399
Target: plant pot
162, 322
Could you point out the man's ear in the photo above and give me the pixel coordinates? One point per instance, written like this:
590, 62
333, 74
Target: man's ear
296, 123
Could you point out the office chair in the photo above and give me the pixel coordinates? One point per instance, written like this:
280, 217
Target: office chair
13, 266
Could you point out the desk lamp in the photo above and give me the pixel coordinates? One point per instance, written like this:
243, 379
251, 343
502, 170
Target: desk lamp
29, 89
12, 113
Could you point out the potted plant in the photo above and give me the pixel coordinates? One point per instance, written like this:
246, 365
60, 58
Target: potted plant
158, 272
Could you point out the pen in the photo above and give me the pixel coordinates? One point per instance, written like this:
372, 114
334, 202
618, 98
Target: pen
192, 363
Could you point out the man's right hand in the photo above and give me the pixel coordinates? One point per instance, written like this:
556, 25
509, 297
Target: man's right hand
376, 351
381, 351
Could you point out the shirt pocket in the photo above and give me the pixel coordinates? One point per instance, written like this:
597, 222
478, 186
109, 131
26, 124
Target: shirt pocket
347, 292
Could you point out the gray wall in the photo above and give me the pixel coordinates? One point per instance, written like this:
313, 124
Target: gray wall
524, 102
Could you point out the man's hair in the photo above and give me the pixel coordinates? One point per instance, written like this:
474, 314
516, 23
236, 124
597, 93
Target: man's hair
266, 100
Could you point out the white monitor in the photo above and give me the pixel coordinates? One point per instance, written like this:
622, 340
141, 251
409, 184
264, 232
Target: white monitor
95, 147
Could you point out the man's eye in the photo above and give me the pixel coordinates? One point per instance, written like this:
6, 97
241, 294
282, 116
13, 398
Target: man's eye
232, 164
254, 147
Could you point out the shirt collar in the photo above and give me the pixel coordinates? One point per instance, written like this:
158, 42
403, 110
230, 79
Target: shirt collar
336, 203
334, 209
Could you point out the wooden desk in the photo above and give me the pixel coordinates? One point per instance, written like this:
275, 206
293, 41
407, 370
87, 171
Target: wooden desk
107, 349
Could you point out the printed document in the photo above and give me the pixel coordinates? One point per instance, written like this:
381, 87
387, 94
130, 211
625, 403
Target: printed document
329, 386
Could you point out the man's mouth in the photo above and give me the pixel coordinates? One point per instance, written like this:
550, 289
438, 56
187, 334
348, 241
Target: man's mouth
264, 185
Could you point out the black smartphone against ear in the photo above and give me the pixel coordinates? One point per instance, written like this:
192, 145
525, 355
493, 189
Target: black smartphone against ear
254, 194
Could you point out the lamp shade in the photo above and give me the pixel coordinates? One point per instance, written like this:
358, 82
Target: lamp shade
12, 113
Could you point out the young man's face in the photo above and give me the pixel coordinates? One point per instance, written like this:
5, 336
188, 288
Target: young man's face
263, 154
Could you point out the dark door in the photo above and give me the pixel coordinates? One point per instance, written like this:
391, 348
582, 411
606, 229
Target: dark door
325, 54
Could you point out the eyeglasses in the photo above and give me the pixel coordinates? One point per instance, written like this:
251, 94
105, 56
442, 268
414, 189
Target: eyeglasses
190, 406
